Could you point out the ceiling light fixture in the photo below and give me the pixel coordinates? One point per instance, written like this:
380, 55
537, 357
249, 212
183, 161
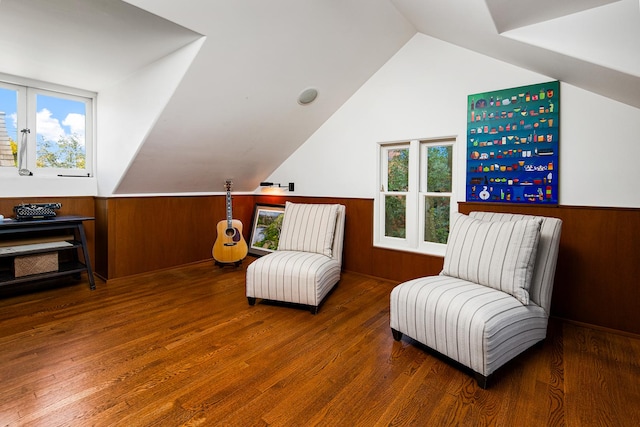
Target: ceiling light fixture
307, 96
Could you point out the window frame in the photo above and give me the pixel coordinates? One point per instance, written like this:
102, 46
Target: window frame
424, 246
26, 109
415, 196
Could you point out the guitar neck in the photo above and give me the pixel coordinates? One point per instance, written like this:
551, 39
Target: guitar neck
229, 213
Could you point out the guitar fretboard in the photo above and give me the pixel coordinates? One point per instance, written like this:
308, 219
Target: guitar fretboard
229, 213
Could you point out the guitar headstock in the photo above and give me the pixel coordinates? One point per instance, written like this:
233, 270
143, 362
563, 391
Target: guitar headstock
227, 185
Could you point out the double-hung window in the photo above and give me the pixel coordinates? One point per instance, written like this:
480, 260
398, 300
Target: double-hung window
415, 197
45, 131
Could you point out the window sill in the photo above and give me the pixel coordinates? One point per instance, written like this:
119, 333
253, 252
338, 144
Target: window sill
429, 252
45, 186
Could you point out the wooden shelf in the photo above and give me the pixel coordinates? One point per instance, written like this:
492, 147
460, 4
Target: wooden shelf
29, 238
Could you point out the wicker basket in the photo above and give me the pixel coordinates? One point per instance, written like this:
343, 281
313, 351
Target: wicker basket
33, 264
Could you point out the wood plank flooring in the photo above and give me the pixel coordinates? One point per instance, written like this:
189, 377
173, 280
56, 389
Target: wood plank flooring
183, 348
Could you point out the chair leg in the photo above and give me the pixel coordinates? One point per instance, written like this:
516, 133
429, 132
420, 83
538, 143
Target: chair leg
314, 309
483, 382
252, 300
397, 335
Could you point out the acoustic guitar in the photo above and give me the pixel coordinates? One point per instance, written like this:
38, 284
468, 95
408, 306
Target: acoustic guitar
230, 246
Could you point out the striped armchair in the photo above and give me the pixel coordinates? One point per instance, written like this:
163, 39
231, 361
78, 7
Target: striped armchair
308, 262
492, 299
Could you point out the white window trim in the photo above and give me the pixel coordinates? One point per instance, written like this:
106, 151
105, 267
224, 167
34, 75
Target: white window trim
414, 197
431, 247
29, 88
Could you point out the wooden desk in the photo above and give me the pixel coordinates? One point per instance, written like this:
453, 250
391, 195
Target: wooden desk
44, 236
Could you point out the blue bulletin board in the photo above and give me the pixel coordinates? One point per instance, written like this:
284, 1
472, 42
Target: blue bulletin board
512, 145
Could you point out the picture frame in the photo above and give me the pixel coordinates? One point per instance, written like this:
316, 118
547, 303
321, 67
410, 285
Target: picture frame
513, 138
265, 229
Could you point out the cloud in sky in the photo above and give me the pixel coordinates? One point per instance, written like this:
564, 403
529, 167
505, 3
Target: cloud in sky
51, 129
76, 123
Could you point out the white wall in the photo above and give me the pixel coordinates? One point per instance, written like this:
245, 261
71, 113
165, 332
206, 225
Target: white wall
599, 150
422, 93
128, 111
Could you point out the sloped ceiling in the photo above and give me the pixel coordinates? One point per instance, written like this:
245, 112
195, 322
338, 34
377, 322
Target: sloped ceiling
235, 113
83, 44
592, 44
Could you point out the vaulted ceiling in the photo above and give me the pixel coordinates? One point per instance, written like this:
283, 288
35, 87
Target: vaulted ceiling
235, 113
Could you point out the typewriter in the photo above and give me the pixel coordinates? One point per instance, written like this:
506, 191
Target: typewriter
36, 211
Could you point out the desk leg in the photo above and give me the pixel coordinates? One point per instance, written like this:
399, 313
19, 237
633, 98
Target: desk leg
87, 260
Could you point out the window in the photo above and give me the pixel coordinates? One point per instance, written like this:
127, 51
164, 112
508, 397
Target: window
45, 132
416, 198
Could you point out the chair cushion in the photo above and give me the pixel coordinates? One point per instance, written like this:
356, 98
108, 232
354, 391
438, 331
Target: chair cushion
546, 256
496, 254
478, 326
308, 227
292, 276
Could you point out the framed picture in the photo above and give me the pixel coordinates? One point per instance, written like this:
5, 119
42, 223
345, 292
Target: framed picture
513, 142
265, 228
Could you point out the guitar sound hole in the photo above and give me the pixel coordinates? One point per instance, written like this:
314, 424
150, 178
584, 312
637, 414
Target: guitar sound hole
230, 232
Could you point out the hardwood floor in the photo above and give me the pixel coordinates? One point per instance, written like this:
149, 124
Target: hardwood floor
183, 348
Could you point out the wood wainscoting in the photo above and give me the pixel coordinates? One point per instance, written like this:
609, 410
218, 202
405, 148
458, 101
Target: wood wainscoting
596, 278
595, 281
141, 234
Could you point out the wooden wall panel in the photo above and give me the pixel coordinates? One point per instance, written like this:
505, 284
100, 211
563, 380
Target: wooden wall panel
140, 234
152, 233
101, 264
596, 278
598, 265
402, 266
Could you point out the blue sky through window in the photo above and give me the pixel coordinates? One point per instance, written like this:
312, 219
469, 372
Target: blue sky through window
56, 117
8, 104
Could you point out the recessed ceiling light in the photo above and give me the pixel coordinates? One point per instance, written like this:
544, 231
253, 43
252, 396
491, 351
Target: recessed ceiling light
307, 96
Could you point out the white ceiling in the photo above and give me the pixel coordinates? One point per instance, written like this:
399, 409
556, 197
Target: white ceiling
83, 44
235, 112
592, 44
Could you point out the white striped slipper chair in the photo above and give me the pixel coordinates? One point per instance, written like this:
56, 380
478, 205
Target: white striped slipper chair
308, 262
492, 299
